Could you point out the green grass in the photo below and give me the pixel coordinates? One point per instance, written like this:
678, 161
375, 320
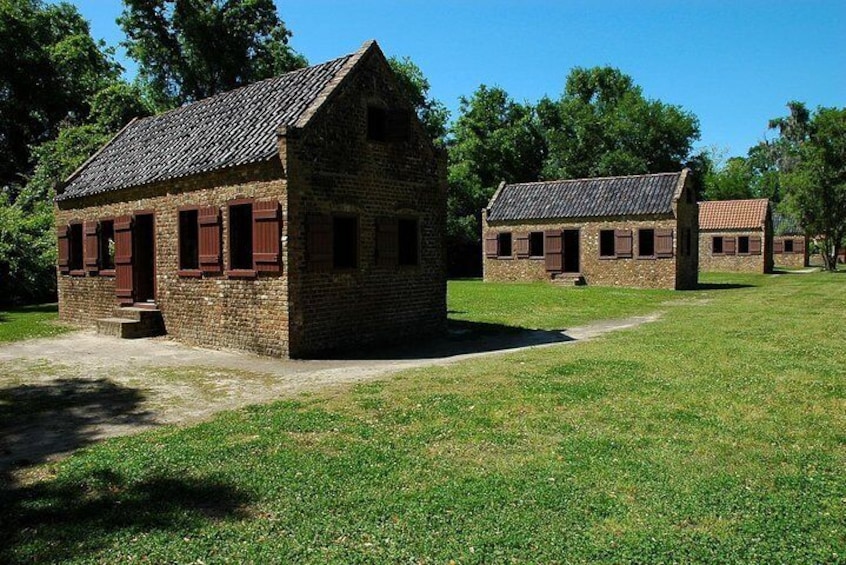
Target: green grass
717, 434
29, 322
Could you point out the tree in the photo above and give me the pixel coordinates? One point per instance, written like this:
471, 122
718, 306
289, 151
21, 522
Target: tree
732, 181
813, 175
51, 68
604, 126
494, 139
431, 112
191, 49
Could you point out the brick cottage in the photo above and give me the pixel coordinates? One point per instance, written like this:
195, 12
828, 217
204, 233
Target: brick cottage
634, 231
790, 244
296, 215
736, 236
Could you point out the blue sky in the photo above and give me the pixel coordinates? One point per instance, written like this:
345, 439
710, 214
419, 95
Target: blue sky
733, 63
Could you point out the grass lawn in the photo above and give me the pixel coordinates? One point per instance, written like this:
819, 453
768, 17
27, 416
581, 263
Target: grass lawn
716, 434
29, 321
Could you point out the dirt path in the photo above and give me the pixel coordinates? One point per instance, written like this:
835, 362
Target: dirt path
62, 393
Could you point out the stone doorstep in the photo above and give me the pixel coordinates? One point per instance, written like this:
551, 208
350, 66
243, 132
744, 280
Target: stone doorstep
569, 279
132, 323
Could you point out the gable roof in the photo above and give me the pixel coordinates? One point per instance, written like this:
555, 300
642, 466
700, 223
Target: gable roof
733, 214
586, 198
226, 130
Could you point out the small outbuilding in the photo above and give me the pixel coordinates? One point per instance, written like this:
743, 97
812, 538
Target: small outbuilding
633, 231
296, 215
790, 243
736, 236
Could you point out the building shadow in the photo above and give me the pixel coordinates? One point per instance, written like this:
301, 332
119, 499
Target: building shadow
722, 286
461, 338
40, 421
55, 521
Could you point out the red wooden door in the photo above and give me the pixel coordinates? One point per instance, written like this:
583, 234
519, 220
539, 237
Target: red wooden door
124, 276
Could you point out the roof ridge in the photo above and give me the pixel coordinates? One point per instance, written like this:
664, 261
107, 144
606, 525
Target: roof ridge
583, 179
734, 200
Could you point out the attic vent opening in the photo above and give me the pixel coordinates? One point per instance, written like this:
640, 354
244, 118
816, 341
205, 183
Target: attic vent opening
377, 123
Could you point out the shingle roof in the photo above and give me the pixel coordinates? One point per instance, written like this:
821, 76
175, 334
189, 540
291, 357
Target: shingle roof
585, 198
733, 214
786, 225
230, 129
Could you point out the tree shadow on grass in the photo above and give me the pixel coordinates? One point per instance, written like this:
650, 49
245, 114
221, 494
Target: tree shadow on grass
40, 421
51, 308
461, 338
63, 519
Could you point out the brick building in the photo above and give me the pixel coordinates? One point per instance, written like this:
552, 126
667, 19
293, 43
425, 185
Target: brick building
299, 214
635, 231
790, 244
736, 236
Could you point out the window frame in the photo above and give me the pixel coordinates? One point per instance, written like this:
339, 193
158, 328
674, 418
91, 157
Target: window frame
500, 237
239, 272
612, 233
356, 247
103, 246
640, 238
739, 249
540, 236
76, 265
714, 239
788, 240
181, 271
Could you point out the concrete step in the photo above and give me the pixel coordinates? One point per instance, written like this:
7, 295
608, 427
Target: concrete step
569, 279
132, 323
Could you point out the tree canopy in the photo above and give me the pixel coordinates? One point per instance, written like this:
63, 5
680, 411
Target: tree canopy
51, 69
191, 49
604, 126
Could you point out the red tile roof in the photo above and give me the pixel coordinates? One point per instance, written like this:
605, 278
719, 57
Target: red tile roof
733, 214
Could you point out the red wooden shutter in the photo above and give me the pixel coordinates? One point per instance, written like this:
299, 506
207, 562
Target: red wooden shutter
123, 260
623, 243
754, 245
387, 241
64, 249
266, 236
491, 246
778, 246
521, 242
799, 245
553, 251
319, 242
208, 218
663, 243
91, 247
729, 245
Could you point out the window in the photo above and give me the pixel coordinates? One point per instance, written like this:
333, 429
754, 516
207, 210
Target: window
345, 242
503, 245
717, 245
107, 245
788, 246
743, 245
606, 243
646, 243
75, 246
189, 240
240, 236
407, 236
377, 123
536, 244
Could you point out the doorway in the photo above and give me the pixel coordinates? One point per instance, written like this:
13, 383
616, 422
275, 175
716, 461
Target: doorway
571, 251
144, 243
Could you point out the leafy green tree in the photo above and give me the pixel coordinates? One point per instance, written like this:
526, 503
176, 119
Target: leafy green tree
494, 139
814, 176
431, 112
191, 49
51, 68
731, 181
604, 126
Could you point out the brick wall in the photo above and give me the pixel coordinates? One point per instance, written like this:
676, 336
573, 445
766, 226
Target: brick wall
333, 169
629, 272
709, 261
794, 259
213, 311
